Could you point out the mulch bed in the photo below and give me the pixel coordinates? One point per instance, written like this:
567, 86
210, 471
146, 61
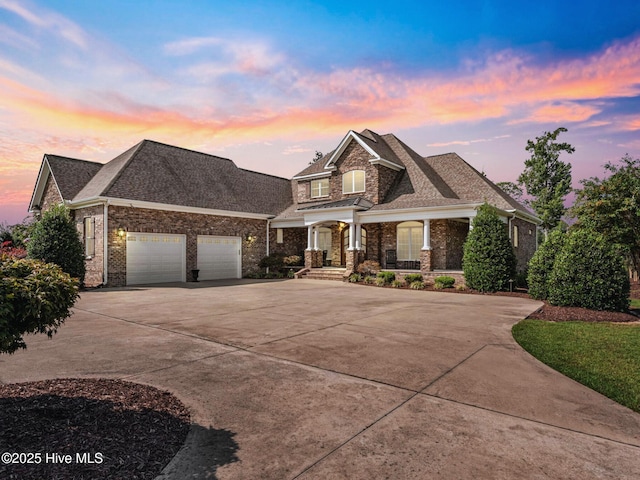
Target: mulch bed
109, 428
567, 314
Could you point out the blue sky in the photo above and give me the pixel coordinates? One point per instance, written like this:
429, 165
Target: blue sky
268, 83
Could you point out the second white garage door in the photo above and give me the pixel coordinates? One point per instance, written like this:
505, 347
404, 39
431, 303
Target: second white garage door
219, 257
155, 258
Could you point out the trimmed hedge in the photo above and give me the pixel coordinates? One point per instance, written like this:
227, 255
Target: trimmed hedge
488, 261
386, 277
444, 282
35, 297
589, 272
54, 239
541, 264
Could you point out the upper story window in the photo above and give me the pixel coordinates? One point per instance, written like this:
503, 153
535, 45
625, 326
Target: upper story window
320, 188
353, 181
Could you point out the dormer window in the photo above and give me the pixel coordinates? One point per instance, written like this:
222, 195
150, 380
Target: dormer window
353, 181
320, 188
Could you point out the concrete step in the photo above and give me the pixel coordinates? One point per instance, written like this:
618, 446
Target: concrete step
336, 274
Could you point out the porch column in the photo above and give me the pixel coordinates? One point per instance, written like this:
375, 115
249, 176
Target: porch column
316, 234
426, 235
358, 236
309, 237
352, 234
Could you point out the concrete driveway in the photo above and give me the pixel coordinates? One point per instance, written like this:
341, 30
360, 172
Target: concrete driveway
320, 380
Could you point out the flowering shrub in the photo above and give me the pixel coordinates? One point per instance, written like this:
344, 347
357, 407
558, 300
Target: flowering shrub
8, 249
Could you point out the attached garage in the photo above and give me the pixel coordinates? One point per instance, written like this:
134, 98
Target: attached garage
156, 258
219, 257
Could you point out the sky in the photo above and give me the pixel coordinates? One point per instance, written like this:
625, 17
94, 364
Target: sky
267, 83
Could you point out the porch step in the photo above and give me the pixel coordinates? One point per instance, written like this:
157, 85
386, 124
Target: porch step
326, 274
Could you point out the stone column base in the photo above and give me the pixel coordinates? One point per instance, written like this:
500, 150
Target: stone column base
353, 259
312, 258
425, 261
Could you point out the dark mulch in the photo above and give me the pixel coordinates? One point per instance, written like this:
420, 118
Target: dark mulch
567, 314
110, 428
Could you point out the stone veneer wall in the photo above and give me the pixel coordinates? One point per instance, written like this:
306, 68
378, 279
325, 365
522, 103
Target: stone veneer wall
50, 196
294, 241
191, 224
94, 264
378, 178
456, 235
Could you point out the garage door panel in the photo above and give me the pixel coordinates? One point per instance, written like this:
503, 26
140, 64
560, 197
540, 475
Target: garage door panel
155, 258
219, 257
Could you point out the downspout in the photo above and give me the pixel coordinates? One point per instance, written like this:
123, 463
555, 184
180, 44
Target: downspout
105, 243
268, 225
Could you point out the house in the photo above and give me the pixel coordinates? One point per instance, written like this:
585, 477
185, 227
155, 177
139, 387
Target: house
157, 213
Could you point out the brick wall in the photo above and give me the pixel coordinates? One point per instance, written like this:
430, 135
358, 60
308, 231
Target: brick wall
294, 241
526, 242
456, 235
190, 224
94, 264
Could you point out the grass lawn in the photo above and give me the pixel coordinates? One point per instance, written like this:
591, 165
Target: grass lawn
602, 356
635, 303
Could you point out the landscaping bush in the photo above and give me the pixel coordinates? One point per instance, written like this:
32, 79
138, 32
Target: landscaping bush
54, 239
541, 265
387, 277
292, 260
368, 267
9, 249
381, 282
355, 278
444, 282
397, 284
35, 297
589, 272
488, 260
274, 262
369, 280
417, 285
413, 277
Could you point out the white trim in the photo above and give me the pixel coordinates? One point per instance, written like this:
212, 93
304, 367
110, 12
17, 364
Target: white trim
419, 214
120, 202
386, 163
353, 181
314, 175
293, 223
41, 184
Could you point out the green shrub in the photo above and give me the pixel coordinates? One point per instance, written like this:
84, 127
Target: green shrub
369, 267
417, 285
541, 264
413, 277
589, 272
274, 262
291, 273
54, 239
381, 282
444, 282
397, 284
369, 280
355, 278
488, 260
388, 277
35, 297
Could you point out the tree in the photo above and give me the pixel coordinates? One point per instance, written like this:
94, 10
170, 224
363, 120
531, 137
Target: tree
35, 297
611, 206
488, 260
546, 178
512, 189
589, 272
54, 239
318, 156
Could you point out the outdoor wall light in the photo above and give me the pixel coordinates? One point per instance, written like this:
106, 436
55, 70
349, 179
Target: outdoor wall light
121, 232
249, 238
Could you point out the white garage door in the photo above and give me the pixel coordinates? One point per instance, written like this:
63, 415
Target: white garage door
219, 257
155, 258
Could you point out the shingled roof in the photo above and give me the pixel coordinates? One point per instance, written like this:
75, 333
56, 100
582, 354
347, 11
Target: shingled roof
159, 173
71, 174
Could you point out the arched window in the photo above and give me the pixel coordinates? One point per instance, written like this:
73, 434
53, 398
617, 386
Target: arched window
353, 181
409, 240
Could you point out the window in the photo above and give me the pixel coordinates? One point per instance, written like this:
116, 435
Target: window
515, 236
353, 181
320, 188
279, 235
89, 237
409, 240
